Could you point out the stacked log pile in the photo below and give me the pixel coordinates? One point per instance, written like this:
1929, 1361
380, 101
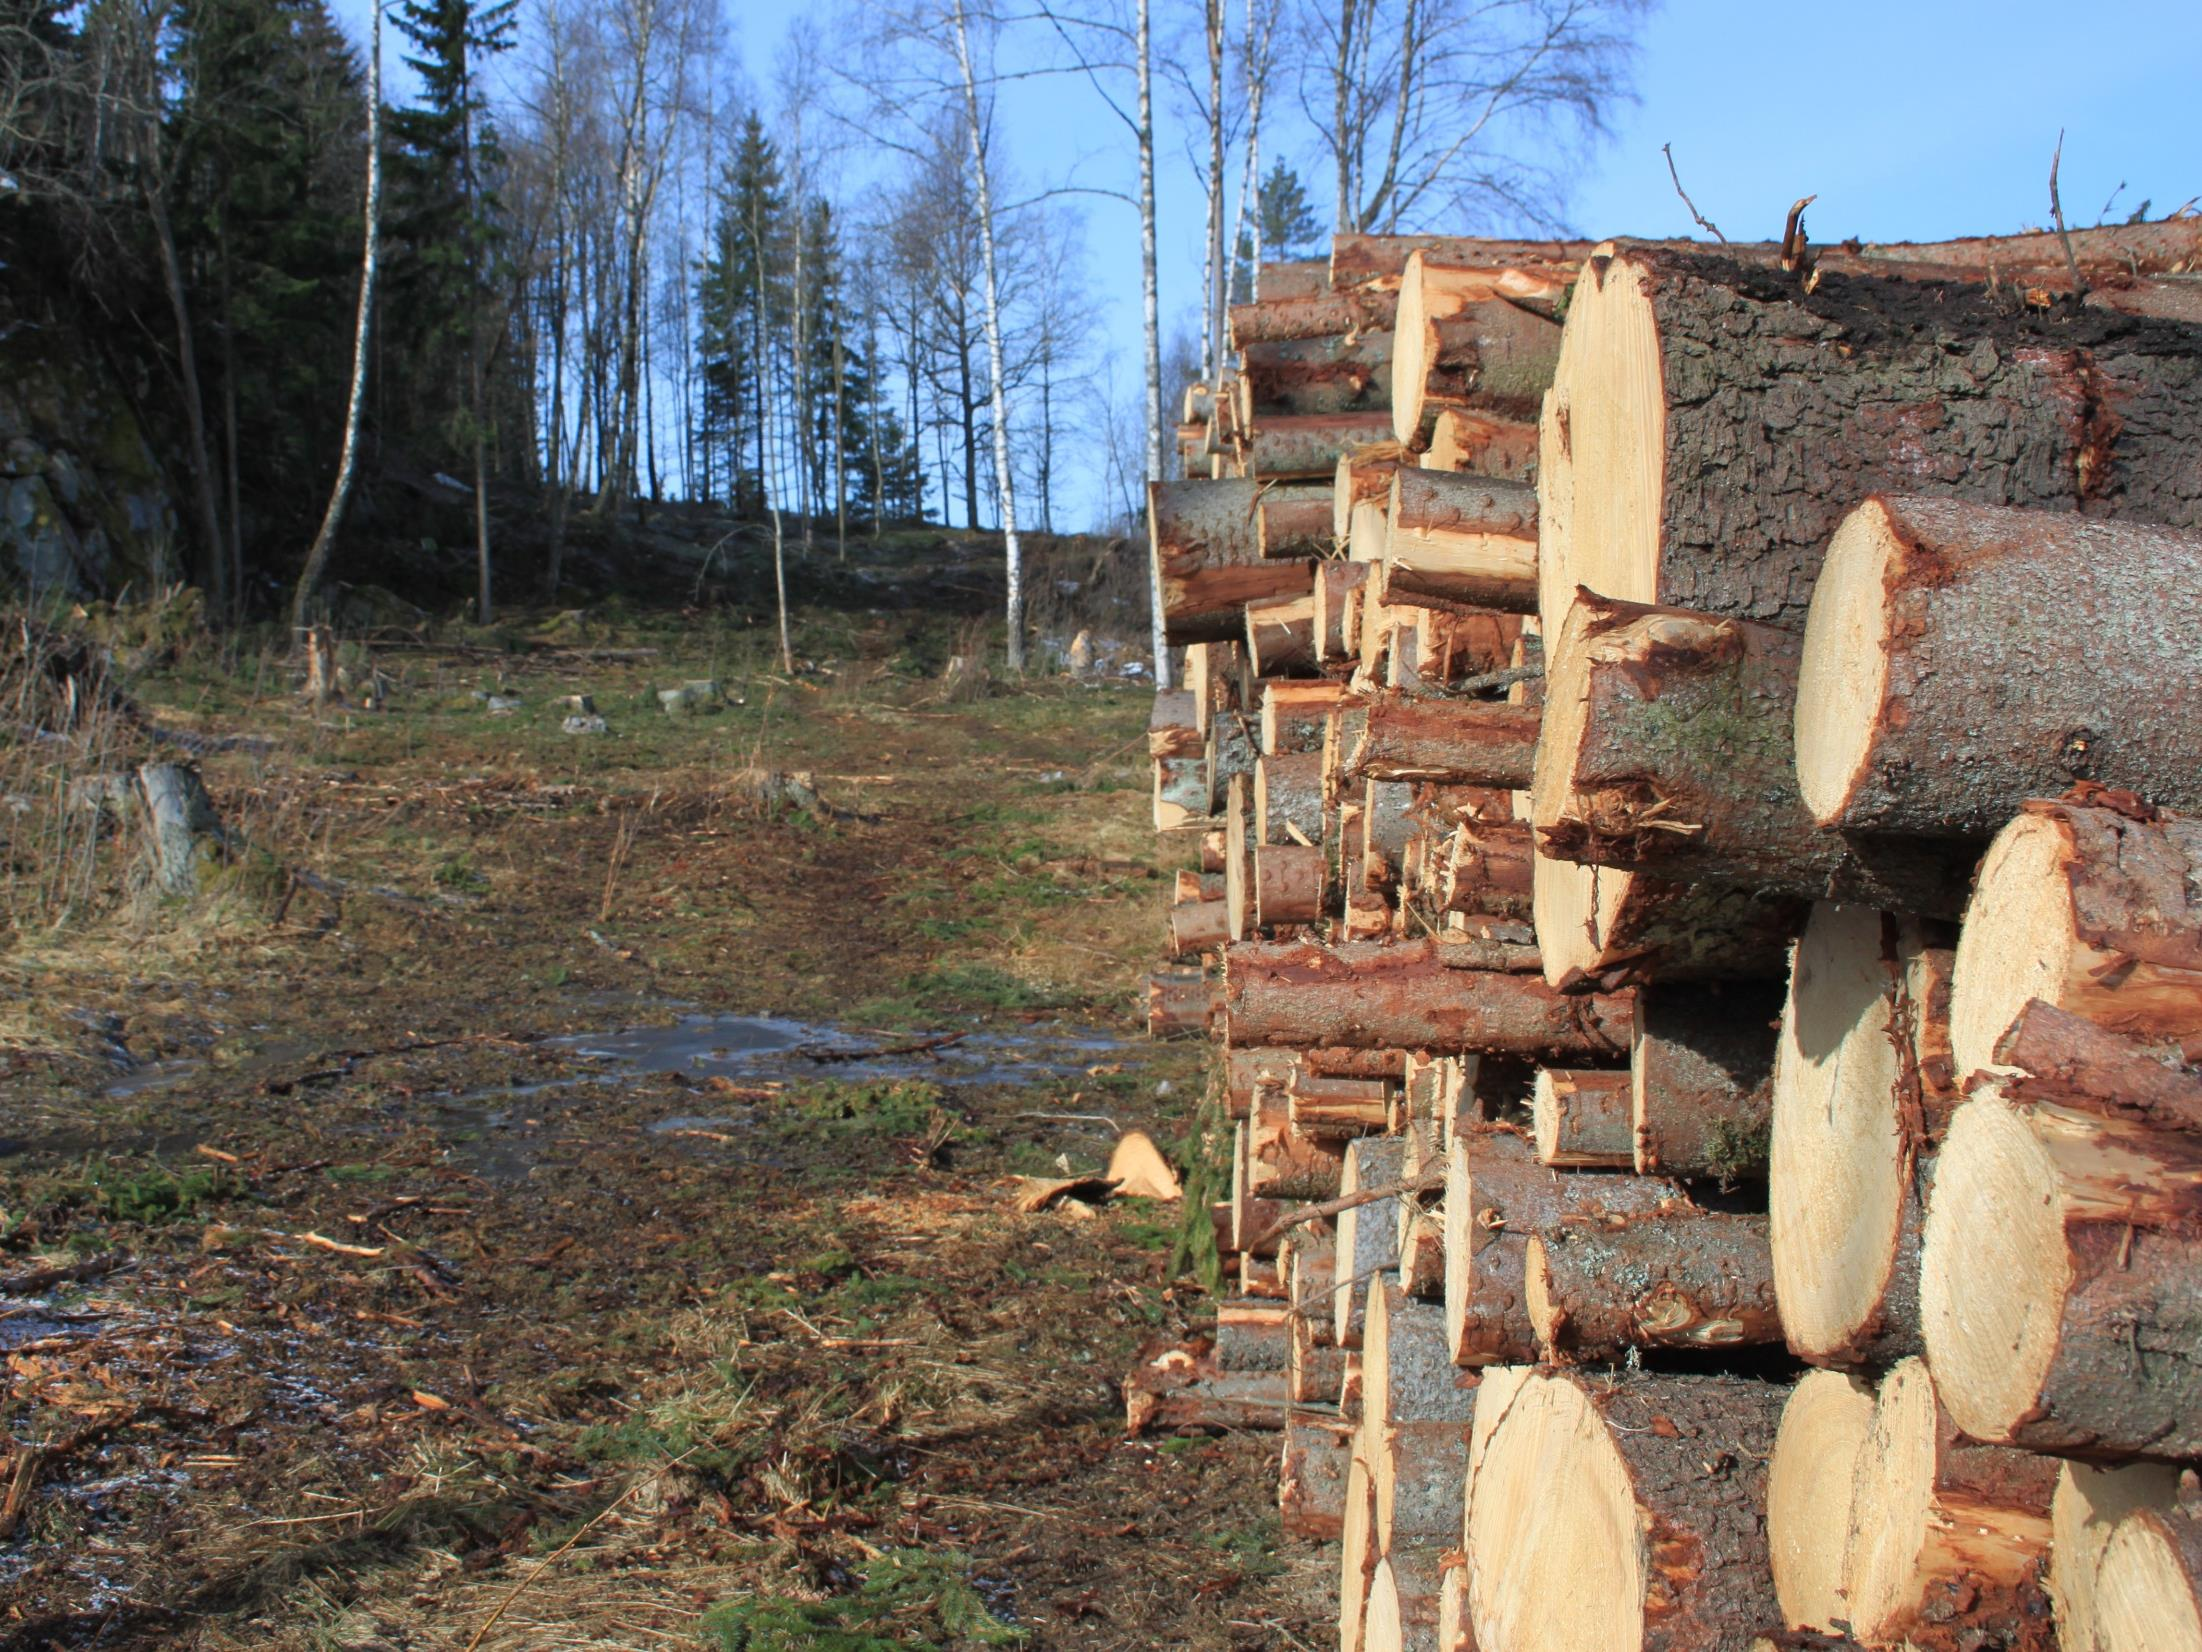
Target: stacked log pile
1696, 759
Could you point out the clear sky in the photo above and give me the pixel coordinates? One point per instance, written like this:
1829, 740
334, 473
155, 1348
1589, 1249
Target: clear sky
1911, 119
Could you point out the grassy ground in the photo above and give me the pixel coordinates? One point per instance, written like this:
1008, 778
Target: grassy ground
412, 1318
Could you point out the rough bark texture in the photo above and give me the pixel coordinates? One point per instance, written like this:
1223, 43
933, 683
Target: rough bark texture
1313, 315
1281, 1161
1336, 584
1293, 523
1489, 869
1668, 931
1288, 792
1183, 1387
1318, 1366
2024, 651
2068, 1060
1363, 263
1463, 642
1311, 1483
1461, 540
1333, 1107
1197, 927
1695, 1280
1702, 1073
1288, 884
1343, 372
1453, 742
1405, 996
1581, 1119
1251, 1335
1683, 765
1473, 338
1782, 409
1408, 1373
1368, 1235
1305, 446
1483, 445
1205, 541
1180, 1002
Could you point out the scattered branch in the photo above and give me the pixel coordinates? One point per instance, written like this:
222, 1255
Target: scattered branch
2056, 212
1428, 1182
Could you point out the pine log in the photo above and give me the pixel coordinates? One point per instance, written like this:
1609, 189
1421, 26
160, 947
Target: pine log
1407, 1370
1205, 540
1483, 445
1217, 675
1623, 1515
1211, 852
2058, 1281
1472, 338
1668, 750
1335, 583
1317, 1372
1293, 278
1280, 633
1962, 658
1197, 927
1406, 996
1946, 1537
1579, 1118
1690, 1279
1311, 1482
1808, 1482
2148, 1589
1452, 742
1387, 822
1701, 1079
2091, 910
1604, 926
1180, 1002
1368, 1235
1687, 381
1853, 1131
1244, 1068
1173, 728
1378, 263
2088, 1507
1489, 868
1294, 712
1229, 750
1460, 541
1312, 315
1303, 447
1288, 884
1337, 1108
1497, 1198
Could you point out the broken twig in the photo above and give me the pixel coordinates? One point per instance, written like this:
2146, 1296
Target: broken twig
1667, 149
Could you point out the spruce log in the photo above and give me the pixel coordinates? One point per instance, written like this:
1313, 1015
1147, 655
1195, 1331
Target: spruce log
1217, 674
1497, 1198
2058, 1281
1701, 1079
1689, 386
1962, 658
1303, 447
1293, 278
1317, 1371
1362, 477
1465, 642
1406, 996
2148, 1589
1291, 522
1378, 263
1327, 1108
1460, 540
1251, 1334
1243, 1068
1472, 338
1407, 1371
1311, 1482
1678, 1279
1211, 852
1808, 1482
1190, 885
1603, 925
1294, 713
1173, 728
1280, 633
1483, 445
1853, 1131
1288, 794
1336, 581
1205, 541
1288, 884
2055, 1056
1197, 927
1489, 868
1180, 1002
1422, 1252
1451, 742
1579, 1118
1341, 372
1368, 1235
1946, 1537
2091, 910
1229, 750
1182, 802
1312, 315
1668, 750
1623, 1515
2089, 1504
1387, 822
1453, 1631
1182, 1386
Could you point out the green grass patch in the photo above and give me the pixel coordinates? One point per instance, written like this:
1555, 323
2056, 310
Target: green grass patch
908, 1598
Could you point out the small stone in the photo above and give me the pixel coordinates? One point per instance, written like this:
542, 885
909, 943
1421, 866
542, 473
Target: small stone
590, 724
503, 705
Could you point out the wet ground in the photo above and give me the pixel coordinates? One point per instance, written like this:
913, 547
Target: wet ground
611, 1243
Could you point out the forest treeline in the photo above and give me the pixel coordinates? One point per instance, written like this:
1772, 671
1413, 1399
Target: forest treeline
602, 275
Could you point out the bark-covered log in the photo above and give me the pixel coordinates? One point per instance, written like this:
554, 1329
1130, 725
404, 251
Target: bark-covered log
1452, 643
1462, 540
1579, 1117
1808, 1481
1307, 1253
1281, 1162
1326, 1108
1311, 315
1294, 278
1711, 423
1182, 801
1182, 1386
1497, 1198
2087, 1509
1280, 633
1701, 1079
1173, 727
1205, 541
2055, 1056
1406, 996
1293, 523
1605, 926
1341, 372
1189, 885
1317, 1372
1407, 1369
1336, 583
2093, 909
1474, 337
1285, 447
2059, 1280
1679, 1279
1238, 857
1368, 1235
1197, 927
1378, 263
1362, 477
1288, 795
1482, 445
1245, 1067
1251, 1334
1288, 884
1854, 1128
1668, 749
1452, 742
1489, 868
1946, 1537
1311, 1480
1294, 712
1211, 852
1387, 822
1216, 673
1962, 658
183, 830
1180, 1002
1625, 1516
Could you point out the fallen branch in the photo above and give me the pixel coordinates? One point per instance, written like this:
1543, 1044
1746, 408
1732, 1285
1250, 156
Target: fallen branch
1428, 1182
918, 1046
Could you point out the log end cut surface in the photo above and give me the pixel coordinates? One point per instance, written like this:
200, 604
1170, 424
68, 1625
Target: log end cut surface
2018, 939
2145, 1590
1843, 680
1808, 1482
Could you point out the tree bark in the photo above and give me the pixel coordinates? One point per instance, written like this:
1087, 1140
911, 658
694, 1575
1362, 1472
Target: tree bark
1288, 884
1286, 447
1279, 318
1473, 338
1378, 263
1579, 1117
1327, 1107
1488, 869
1452, 742
1288, 793
1181, 798
1345, 372
1460, 541
1406, 996
1701, 1080
1671, 752
1311, 1486
1698, 1280
1602, 926
1293, 522
1368, 1237
1173, 729
1207, 559
1500, 448
1336, 582
1363, 477
1197, 927
1179, 1002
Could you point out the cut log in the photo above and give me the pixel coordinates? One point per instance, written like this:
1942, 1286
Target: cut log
2091, 910
1311, 1483
1962, 658
1690, 1279
1182, 802
1378, 263
1244, 1067
1451, 742
1238, 856
1336, 581
1189, 885
1180, 1002
1701, 1080
1368, 1235
1472, 338
1489, 868
1291, 522
1853, 1129
2148, 1590
1288, 884
1338, 1108
1363, 477
1197, 927
1419, 1469
1580, 1119
1217, 675
1293, 278
1211, 853
1302, 447
1280, 633
1668, 750
1340, 372
1312, 315
1808, 1483
1465, 642
2088, 1506
1453, 1631
1283, 1161
1686, 381
1406, 996
1497, 1198
2059, 1280
1481, 445
1294, 713
1602, 925
1317, 1372
1946, 1537
1307, 1253
1251, 1335
1460, 540
1288, 796
1358, 1555
1205, 541
1403, 1599
1408, 1374
1229, 750
2054, 1056
1387, 822
1173, 727
1422, 1252
1623, 1516
1183, 1387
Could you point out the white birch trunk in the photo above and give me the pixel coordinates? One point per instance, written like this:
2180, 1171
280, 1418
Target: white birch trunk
1151, 302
